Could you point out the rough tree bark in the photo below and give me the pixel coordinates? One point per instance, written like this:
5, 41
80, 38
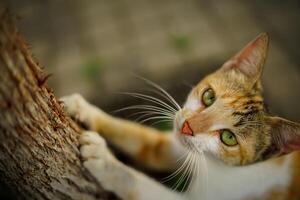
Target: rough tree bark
39, 157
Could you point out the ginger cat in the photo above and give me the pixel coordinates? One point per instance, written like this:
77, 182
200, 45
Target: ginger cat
231, 147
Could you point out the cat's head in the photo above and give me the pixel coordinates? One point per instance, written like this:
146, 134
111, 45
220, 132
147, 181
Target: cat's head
225, 114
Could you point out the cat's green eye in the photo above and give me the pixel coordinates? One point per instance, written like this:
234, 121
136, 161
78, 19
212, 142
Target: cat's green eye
228, 138
208, 97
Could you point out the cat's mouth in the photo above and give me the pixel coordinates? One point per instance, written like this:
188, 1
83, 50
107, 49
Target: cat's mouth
190, 143
185, 140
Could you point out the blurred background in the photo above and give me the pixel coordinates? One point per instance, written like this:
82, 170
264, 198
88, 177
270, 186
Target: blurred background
94, 47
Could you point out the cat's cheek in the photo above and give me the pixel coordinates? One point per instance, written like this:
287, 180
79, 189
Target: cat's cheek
214, 145
208, 143
231, 155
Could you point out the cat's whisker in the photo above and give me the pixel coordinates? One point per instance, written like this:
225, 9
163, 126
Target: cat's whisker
143, 114
190, 173
200, 170
187, 171
195, 176
159, 122
148, 110
186, 176
196, 170
156, 117
183, 175
161, 110
151, 99
195, 173
163, 93
142, 119
158, 92
204, 174
151, 107
183, 156
146, 107
159, 113
179, 171
139, 117
149, 113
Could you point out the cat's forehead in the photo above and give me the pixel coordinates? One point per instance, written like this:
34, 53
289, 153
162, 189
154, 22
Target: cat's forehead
235, 99
224, 84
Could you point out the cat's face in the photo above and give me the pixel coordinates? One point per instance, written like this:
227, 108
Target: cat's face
224, 114
235, 112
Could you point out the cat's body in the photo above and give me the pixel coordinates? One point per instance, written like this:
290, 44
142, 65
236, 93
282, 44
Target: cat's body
228, 134
257, 181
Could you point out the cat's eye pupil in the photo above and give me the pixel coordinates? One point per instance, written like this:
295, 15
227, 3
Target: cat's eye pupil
208, 97
228, 138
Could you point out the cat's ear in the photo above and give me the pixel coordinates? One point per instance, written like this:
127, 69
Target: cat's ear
285, 136
251, 59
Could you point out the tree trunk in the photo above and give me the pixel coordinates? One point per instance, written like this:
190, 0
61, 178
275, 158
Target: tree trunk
39, 157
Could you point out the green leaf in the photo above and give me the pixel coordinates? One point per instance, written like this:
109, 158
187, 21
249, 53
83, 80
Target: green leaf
92, 68
181, 42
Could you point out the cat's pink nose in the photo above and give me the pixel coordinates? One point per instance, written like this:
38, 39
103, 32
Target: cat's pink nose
186, 129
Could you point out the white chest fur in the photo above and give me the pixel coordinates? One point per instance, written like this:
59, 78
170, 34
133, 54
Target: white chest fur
247, 182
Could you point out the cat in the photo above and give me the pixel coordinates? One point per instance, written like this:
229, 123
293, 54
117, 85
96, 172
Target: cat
233, 149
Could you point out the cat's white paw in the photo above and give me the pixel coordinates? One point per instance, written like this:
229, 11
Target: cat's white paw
77, 107
93, 146
95, 154
101, 163
73, 104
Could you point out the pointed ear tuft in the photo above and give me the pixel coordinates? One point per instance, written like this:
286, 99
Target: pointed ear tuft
251, 59
285, 136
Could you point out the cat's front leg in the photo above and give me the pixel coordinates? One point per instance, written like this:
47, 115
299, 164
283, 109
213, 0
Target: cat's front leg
117, 177
77, 107
146, 145
105, 167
